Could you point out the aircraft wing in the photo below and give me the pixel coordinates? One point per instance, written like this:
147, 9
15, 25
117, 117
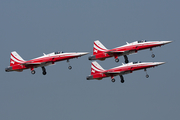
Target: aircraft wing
119, 72
117, 52
30, 63
120, 52
112, 72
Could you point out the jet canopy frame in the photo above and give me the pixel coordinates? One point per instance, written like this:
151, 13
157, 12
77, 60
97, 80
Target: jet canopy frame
58, 52
141, 41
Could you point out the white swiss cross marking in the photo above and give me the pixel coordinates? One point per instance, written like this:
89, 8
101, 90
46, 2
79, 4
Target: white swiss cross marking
95, 51
12, 62
93, 71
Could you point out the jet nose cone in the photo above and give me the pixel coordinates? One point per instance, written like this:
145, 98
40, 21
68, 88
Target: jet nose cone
84, 53
81, 53
159, 63
163, 42
167, 42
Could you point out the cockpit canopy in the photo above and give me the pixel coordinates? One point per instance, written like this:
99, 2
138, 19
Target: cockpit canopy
136, 62
58, 52
141, 41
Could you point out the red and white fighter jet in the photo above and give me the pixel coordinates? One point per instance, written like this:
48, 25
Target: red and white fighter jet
97, 72
18, 64
100, 52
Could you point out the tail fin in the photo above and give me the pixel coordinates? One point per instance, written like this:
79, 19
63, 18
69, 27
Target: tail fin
15, 58
98, 47
95, 68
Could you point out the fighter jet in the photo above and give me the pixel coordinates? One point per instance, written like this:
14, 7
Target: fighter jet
19, 64
97, 72
100, 52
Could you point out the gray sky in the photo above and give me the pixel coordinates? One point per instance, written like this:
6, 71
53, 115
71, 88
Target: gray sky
35, 27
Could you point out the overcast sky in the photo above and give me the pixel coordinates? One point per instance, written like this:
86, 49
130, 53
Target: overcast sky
41, 26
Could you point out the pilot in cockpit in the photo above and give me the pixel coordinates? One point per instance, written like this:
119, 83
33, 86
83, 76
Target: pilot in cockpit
136, 62
141, 41
58, 52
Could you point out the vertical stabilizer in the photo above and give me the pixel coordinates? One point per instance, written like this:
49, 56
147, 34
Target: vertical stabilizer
15, 58
96, 68
98, 47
